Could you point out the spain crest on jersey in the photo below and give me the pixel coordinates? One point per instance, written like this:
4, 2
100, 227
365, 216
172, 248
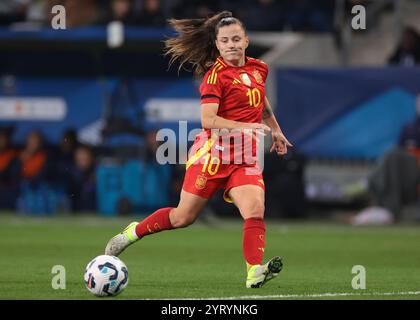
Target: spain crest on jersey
245, 79
201, 181
258, 76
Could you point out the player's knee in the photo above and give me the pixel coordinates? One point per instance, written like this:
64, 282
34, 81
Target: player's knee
254, 210
182, 221
185, 221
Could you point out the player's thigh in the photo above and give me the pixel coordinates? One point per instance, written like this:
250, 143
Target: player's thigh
249, 199
189, 207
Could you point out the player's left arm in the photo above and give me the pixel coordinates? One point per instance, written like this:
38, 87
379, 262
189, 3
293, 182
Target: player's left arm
280, 142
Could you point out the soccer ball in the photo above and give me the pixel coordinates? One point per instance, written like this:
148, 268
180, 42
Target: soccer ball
106, 276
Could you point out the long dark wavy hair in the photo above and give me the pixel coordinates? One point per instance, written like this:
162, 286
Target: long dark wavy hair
195, 42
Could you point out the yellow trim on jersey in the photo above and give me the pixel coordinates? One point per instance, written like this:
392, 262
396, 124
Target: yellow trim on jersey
219, 67
217, 70
213, 76
219, 59
209, 79
200, 152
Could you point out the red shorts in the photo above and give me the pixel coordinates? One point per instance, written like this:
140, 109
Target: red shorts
206, 174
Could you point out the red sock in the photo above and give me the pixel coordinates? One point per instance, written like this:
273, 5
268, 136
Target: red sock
156, 222
254, 240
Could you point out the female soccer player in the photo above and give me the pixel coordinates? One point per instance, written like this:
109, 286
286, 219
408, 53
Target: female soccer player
232, 97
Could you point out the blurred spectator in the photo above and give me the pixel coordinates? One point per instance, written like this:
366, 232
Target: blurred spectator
395, 180
17, 11
407, 52
177, 180
82, 191
121, 10
65, 156
157, 177
151, 14
151, 146
12, 11
195, 8
410, 134
285, 188
9, 182
37, 195
263, 15
37, 12
68, 144
33, 158
37, 9
308, 15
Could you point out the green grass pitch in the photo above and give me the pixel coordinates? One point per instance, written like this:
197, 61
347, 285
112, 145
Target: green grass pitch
206, 262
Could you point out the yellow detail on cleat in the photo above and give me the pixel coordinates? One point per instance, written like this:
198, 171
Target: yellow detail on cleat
129, 231
248, 266
255, 276
258, 275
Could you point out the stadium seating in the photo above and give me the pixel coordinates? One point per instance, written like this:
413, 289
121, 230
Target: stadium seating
133, 186
41, 199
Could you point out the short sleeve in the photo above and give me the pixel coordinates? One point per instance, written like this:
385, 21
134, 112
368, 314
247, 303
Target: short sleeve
210, 89
265, 70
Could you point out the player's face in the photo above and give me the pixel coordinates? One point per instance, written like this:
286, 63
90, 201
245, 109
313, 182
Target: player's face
231, 42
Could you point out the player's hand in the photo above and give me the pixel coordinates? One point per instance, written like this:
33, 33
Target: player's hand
258, 126
256, 131
280, 143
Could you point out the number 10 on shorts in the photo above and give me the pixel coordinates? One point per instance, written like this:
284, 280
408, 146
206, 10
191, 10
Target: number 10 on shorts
211, 164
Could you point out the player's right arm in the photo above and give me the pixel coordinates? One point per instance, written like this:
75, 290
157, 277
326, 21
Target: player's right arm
210, 120
211, 95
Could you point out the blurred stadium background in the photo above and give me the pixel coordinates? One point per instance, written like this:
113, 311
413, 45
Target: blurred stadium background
79, 108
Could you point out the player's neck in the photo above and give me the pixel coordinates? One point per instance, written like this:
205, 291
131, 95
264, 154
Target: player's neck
236, 63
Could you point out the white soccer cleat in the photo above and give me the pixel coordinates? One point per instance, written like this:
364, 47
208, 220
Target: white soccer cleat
121, 241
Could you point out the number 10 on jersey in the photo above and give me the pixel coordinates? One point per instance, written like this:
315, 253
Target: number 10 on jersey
254, 97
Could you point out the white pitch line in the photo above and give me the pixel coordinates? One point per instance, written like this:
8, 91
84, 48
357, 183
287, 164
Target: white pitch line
314, 295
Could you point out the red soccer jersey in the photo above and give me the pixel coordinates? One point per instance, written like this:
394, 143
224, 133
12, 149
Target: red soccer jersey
239, 91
